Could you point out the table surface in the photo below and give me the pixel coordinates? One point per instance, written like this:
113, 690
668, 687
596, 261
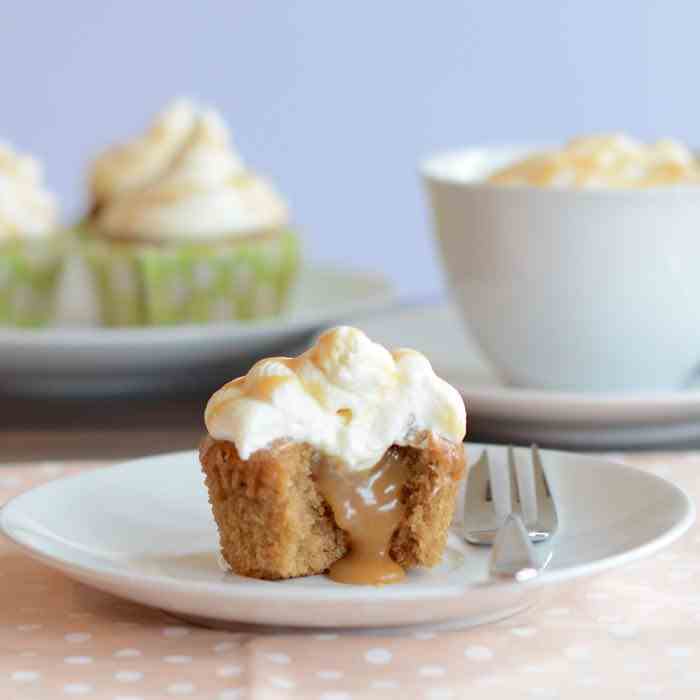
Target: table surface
633, 632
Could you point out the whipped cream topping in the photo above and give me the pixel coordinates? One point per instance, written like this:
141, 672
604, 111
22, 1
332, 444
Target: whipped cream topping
27, 210
347, 396
605, 161
182, 180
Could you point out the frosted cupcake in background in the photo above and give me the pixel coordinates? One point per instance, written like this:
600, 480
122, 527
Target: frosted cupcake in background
180, 231
31, 247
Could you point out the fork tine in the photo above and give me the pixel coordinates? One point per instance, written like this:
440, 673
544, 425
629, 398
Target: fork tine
513, 478
546, 510
479, 519
477, 483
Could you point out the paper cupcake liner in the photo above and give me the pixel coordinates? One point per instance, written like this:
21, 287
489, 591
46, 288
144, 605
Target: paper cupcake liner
29, 278
139, 284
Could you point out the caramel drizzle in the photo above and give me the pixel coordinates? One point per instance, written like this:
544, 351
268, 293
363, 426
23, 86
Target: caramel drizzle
367, 506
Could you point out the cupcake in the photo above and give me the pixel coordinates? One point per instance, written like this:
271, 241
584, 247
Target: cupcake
31, 249
180, 231
345, 459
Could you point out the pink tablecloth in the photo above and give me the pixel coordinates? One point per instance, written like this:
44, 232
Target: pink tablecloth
631, 633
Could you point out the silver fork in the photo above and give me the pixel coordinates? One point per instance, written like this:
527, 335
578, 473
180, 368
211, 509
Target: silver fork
482, 522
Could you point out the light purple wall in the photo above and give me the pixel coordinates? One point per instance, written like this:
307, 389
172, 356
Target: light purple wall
339, 101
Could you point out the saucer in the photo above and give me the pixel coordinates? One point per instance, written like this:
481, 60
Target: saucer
501, 413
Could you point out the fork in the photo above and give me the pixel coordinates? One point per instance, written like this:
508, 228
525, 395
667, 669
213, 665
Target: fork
537, 510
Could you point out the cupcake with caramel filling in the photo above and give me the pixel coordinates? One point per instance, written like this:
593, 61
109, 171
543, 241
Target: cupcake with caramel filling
180, 231
31, 248
345, 459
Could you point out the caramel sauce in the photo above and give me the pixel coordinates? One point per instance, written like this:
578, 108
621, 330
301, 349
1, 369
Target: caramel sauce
367, 506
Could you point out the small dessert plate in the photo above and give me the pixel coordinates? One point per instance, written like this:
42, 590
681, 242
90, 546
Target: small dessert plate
143, 530
74, 360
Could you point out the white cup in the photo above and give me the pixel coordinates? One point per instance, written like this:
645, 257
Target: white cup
571, 289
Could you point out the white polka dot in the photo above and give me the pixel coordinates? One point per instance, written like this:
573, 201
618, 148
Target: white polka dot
127, 653
524, 631
78, 660
692, 677
679, 652
624, 631
175, 632
325, 637
477, 653
77, 688
232, 694
332, 695
384, 685
228, 671
51, 469
431, 671
180, 688
634, 668
25, 676
28, 628
650, 689
329, 675
440, 694
424, 635
578, 653
282, 683
177, 659
589, 681
223, 647
487, 681
609, 619
558, 612
128, 676
378, 656
278, 658
77, 637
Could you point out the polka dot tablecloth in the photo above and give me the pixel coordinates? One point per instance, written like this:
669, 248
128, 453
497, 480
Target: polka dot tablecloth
632, 633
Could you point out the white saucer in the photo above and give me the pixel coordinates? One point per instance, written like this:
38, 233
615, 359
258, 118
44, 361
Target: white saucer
85, 360
505, 413
153, 541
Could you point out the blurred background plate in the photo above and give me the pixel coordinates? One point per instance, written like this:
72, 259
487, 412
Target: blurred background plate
497, 412
85, 361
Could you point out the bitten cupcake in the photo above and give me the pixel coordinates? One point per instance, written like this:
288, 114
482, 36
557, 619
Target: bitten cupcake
31, 249
180, 231
346, 458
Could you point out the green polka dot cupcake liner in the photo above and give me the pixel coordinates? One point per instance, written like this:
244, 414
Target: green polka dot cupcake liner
143, 285
30, 273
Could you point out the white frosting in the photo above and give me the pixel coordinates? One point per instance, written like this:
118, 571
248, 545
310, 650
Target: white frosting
349, 397
605, 161
27, 210
182, 180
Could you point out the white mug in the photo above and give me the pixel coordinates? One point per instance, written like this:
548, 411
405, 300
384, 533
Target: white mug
571, 289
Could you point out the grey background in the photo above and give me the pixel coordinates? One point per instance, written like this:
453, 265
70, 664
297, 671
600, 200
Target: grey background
340, 101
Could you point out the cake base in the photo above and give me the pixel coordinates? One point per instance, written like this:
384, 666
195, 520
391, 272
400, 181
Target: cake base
274, 523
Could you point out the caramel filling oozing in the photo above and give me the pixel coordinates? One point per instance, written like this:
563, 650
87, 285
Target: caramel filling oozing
367, 506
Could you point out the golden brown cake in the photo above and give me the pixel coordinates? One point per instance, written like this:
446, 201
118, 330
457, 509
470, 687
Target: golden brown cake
346, 458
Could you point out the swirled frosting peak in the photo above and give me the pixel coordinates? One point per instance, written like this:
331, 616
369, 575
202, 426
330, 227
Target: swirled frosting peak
182, 180
348, 396
27, 210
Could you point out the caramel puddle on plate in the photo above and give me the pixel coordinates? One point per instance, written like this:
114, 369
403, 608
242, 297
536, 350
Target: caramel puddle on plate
367, 506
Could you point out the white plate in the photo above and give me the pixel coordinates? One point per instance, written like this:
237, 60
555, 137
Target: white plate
83, 360
506, 413
143, 530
